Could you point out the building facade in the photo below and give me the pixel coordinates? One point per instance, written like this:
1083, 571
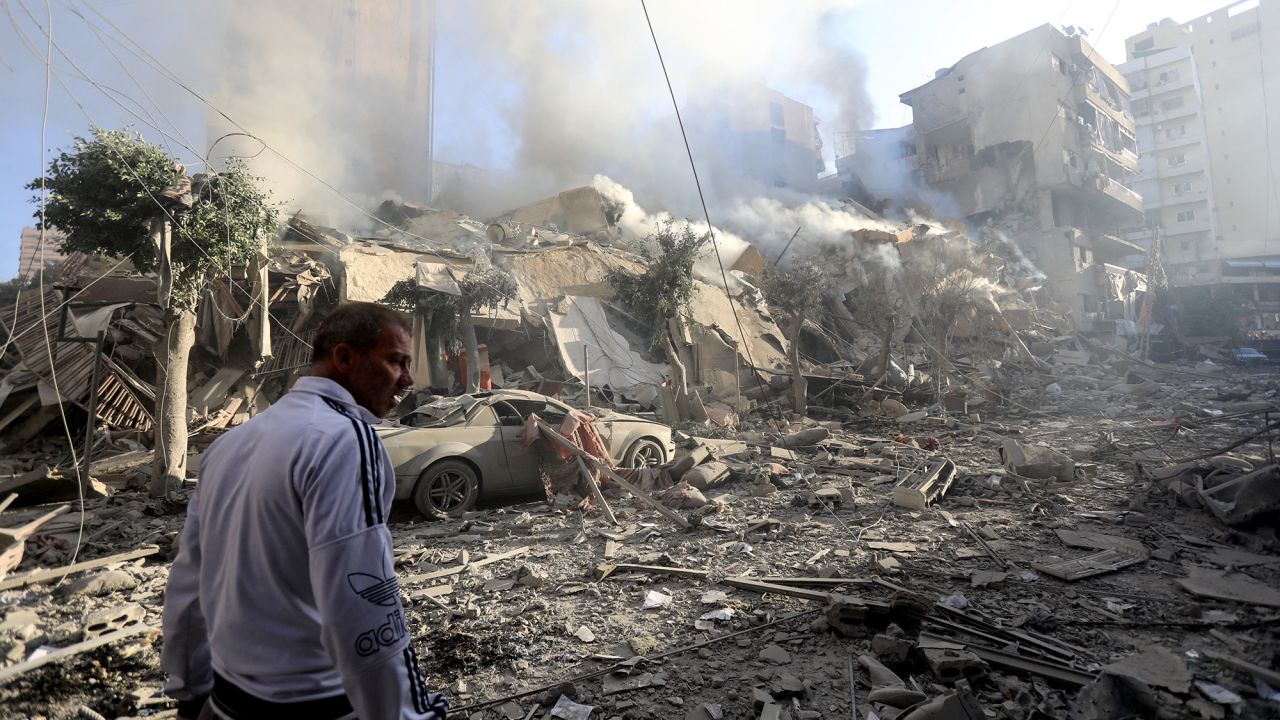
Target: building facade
755, 135
1173, 167
1033, 137
1227, 67
32, 256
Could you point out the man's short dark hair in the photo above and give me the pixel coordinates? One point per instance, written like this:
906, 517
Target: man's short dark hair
358, 324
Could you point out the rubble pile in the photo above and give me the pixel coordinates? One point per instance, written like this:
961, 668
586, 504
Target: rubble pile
1032, 520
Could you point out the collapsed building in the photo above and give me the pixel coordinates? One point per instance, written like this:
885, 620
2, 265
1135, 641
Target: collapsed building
1049, 181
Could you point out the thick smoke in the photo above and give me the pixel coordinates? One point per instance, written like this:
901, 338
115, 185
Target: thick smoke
547, 95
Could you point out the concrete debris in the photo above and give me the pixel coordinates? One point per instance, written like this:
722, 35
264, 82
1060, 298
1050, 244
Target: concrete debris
923, 513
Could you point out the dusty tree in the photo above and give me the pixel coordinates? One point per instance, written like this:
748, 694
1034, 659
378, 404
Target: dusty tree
943, 284
119, 196
447, 318
796, 293
660, 296
876, 302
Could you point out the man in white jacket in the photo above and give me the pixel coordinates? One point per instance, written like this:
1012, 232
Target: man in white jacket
283, 600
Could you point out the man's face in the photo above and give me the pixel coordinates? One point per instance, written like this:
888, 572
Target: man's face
379, 378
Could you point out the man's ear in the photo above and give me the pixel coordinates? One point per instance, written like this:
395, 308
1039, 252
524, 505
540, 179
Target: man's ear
342, 357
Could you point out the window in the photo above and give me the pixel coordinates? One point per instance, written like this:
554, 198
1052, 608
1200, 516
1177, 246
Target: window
1244, 31
1167, 76
1175, 131
1186, 215
776, 115
1186, 244
1142, 45
1141, 108
779, 135
1171, 104
1182, 188
1057, 63
1177, 159
552, 413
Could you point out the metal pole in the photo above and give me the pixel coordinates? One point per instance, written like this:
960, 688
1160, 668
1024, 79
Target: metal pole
93, 407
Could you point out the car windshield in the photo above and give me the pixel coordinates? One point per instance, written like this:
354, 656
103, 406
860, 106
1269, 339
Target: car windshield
441, 413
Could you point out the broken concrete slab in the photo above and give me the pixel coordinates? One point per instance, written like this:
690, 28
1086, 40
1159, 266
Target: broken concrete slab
1236, 587
1099, 563
707, 476
1037, 462
1156, 666
775, 654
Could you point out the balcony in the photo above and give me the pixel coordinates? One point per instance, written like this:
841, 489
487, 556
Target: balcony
1111, 196
1115, 109
1189, 227
1184, 197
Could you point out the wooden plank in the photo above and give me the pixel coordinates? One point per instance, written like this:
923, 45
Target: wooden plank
636, 492
595, 491
754, 585
4, 504
661, 570
1270, 676
54, 574
61, 654
819, 581
446, 572
13, 482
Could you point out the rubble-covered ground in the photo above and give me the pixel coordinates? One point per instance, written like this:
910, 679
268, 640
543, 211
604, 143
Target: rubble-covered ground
926, 592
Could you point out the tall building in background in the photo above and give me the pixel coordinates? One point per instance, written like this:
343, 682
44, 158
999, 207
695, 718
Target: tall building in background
32, 256
1173, 167
1221, 79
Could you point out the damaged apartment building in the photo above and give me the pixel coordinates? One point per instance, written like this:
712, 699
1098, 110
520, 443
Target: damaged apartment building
1032, 143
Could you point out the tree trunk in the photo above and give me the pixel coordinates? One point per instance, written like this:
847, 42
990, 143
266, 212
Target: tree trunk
886, 344
844, 320
679, 378
439, 368
799, 385
170, 467
472, 349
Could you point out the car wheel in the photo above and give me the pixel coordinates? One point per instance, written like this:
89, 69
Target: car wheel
644, 453
446, 489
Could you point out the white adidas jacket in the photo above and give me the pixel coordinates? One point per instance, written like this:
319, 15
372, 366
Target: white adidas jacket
284, 583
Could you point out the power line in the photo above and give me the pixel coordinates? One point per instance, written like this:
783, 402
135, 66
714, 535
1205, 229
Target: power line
82, 478
1087, 56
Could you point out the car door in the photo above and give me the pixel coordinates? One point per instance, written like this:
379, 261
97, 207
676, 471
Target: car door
522, 463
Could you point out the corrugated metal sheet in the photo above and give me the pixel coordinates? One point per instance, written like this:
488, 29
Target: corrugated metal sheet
122, 396
72, 363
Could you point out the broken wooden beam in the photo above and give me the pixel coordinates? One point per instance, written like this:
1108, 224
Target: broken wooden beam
595, 462
446, 572
658, 569
36, 577
14, 540
1271, 677
595, 491
13, 671
757, 585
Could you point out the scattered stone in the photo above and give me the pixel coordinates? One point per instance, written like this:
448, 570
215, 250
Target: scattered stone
775, 654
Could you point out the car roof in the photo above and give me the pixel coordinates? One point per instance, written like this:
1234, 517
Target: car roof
504, 395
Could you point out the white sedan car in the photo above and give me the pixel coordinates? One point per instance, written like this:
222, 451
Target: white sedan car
453, 452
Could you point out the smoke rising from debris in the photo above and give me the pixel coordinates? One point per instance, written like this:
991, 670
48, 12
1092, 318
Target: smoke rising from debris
546, 94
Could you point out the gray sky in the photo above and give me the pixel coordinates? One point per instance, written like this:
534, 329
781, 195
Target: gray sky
902, 44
